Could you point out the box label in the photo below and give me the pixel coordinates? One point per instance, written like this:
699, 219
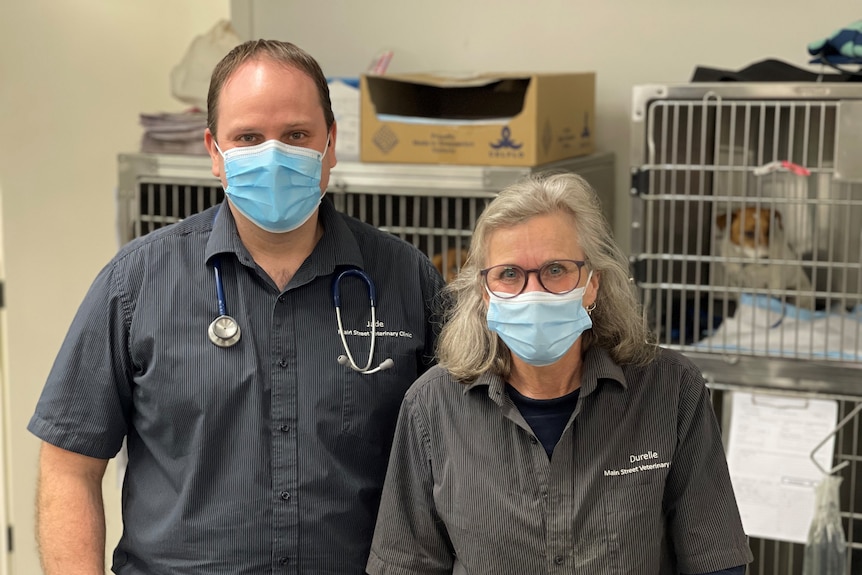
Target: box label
506, 146
443, 143
385, 139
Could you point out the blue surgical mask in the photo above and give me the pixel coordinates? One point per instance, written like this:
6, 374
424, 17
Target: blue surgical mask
537, 326
275, 185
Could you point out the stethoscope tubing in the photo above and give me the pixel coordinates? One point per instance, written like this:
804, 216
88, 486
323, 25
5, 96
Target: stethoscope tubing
372, 297
222, 302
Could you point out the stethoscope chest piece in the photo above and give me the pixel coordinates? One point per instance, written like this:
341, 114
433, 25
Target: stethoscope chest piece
224, 331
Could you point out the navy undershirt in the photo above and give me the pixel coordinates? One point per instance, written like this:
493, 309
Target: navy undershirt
546, 417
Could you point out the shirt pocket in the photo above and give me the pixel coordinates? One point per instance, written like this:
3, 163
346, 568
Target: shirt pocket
370, 402
635, 527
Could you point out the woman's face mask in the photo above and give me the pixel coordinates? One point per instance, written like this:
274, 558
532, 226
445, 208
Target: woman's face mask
540, 327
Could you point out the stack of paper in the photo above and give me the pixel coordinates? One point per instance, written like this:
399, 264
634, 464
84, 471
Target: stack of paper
174, 133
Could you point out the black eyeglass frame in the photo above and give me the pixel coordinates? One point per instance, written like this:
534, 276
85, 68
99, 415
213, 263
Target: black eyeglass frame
579, 263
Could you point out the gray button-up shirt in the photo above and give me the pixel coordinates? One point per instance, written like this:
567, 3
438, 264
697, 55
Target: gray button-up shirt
636, 485
264, 457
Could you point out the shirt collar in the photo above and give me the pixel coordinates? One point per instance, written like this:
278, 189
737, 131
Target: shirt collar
598, 366
493, 382
224, 237
338, 246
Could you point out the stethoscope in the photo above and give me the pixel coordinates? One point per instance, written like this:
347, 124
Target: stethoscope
224, 330
372, 297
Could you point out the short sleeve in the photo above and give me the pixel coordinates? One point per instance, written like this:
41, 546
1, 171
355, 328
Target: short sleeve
703, 518
84, 403
409, 538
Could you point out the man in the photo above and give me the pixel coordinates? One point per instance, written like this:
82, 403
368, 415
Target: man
257, 442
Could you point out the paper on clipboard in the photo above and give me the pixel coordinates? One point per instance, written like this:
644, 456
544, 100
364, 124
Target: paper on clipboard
768, 455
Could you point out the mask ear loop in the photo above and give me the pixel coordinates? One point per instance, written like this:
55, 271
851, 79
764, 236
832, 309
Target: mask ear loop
326, 149
592, 306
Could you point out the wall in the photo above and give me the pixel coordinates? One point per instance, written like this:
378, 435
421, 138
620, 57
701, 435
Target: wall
73, 77
627, 42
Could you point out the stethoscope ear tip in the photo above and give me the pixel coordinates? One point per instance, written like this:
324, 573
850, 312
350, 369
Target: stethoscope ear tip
385, 364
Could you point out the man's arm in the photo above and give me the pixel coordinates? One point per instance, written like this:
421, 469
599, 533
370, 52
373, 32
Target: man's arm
70, 512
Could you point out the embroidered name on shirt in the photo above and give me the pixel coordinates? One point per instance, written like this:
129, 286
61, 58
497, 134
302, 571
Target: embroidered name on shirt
643, 456
639, 468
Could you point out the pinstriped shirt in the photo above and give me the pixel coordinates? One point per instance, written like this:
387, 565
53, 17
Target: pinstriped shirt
637, 484
265, 457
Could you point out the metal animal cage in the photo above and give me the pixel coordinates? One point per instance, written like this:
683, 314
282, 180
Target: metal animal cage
747, 249
433, 207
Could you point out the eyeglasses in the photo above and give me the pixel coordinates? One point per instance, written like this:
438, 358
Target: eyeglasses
557, 277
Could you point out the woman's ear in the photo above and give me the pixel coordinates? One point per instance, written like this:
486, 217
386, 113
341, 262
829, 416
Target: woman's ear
593, 289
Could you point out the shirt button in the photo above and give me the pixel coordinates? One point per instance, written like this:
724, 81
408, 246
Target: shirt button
282, 363
285, 495
282, 560
284, 428
559, 560
281, 298
533, 440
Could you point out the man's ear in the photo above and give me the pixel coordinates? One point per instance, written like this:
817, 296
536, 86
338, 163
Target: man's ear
215, 156
331, 152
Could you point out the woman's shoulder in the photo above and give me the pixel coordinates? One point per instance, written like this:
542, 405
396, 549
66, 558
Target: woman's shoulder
668, 368
437, 391
674, 359
435, 382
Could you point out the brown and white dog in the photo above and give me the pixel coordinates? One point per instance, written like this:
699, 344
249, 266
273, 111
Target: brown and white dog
449, 262
756, 235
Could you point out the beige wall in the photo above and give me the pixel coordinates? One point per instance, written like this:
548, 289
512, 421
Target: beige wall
73, 77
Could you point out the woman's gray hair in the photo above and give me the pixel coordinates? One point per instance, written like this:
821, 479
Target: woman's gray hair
468, 348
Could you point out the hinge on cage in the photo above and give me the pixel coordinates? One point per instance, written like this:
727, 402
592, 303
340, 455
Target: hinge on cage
639, 182
10, 546
637, 267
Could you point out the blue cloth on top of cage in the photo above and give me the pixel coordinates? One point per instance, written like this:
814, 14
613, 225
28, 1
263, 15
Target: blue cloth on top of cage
844, 46
763, 325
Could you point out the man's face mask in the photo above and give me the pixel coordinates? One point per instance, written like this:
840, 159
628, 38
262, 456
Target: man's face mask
275, 185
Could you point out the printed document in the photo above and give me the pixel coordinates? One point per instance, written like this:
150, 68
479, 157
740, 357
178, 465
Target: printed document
770, 441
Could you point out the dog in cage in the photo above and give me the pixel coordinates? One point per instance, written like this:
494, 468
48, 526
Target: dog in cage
758, 255
449, 261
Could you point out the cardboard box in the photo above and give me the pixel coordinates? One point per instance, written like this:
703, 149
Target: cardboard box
494, 119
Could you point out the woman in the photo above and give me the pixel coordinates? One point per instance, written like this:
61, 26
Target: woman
553, 436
